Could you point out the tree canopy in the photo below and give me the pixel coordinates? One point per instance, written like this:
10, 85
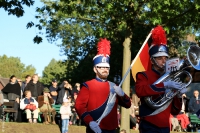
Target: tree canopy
58, 70
77, 25
15, 7
13, 66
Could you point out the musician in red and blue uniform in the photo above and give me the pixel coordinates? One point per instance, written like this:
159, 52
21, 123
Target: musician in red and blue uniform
157, 120
94, 95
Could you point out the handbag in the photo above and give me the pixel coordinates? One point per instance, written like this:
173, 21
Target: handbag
31, 107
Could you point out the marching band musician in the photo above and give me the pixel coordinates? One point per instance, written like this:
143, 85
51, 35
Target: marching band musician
94, 95
157, 120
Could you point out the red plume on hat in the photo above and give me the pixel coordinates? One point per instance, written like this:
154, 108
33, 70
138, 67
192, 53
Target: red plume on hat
159, 43
103, 47
158, 36
102, 57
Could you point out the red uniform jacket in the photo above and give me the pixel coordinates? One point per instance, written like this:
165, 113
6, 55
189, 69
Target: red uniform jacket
92, 100
144, 87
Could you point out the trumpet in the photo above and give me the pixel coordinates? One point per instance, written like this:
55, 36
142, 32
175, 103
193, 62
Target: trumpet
192, 60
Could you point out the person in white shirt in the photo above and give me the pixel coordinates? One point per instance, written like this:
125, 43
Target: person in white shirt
29, 104
65, 111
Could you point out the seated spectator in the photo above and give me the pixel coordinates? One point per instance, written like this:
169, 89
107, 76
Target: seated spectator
45, 106
1, 104
194, 103
53, 90
13, 92
64, 92
182, 117
174, 123
29, 104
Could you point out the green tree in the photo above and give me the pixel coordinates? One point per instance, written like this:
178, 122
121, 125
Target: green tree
15, 7
29, 70
55, 69
13, 66
78, 25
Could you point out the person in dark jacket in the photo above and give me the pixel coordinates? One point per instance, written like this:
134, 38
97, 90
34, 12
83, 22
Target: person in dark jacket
75, 89
35, 87
24, 83
13, 92
194, 103
53, 90
64, 92
1, 104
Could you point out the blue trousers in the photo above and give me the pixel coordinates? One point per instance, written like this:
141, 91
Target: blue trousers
146, 127
65, 123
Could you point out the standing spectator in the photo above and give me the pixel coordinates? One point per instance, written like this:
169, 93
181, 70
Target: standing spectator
118, 117
133, 118
65, 111
74, 117
20, 83
20, 112
64, 92
53, 90
24, 83
194, 103
185, 103
44, 103
13, 91
76, 89
35, 87
29, 104
135, 100
94, 94
1, 104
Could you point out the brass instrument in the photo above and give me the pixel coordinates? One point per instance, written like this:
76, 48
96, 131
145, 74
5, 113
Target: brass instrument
193, 59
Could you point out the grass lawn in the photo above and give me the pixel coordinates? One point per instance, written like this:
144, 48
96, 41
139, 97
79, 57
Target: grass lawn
13, 127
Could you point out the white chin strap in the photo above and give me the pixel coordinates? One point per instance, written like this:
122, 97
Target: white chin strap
99, 73
154, 61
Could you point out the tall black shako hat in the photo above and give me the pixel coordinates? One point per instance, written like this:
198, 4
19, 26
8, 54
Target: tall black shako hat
103, 53
159, 43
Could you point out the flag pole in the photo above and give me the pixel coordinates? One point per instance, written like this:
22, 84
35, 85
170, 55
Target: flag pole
133, 62
112, 98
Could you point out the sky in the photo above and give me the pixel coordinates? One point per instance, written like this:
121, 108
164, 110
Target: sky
17, 41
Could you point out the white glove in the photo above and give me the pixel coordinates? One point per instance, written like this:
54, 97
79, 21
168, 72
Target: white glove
95, 127
172, 85
184, 90
119, 91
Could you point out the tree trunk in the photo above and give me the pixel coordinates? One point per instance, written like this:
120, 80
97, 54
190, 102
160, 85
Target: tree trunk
125, 113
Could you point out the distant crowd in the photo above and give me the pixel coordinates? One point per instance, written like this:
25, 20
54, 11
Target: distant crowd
33, 98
